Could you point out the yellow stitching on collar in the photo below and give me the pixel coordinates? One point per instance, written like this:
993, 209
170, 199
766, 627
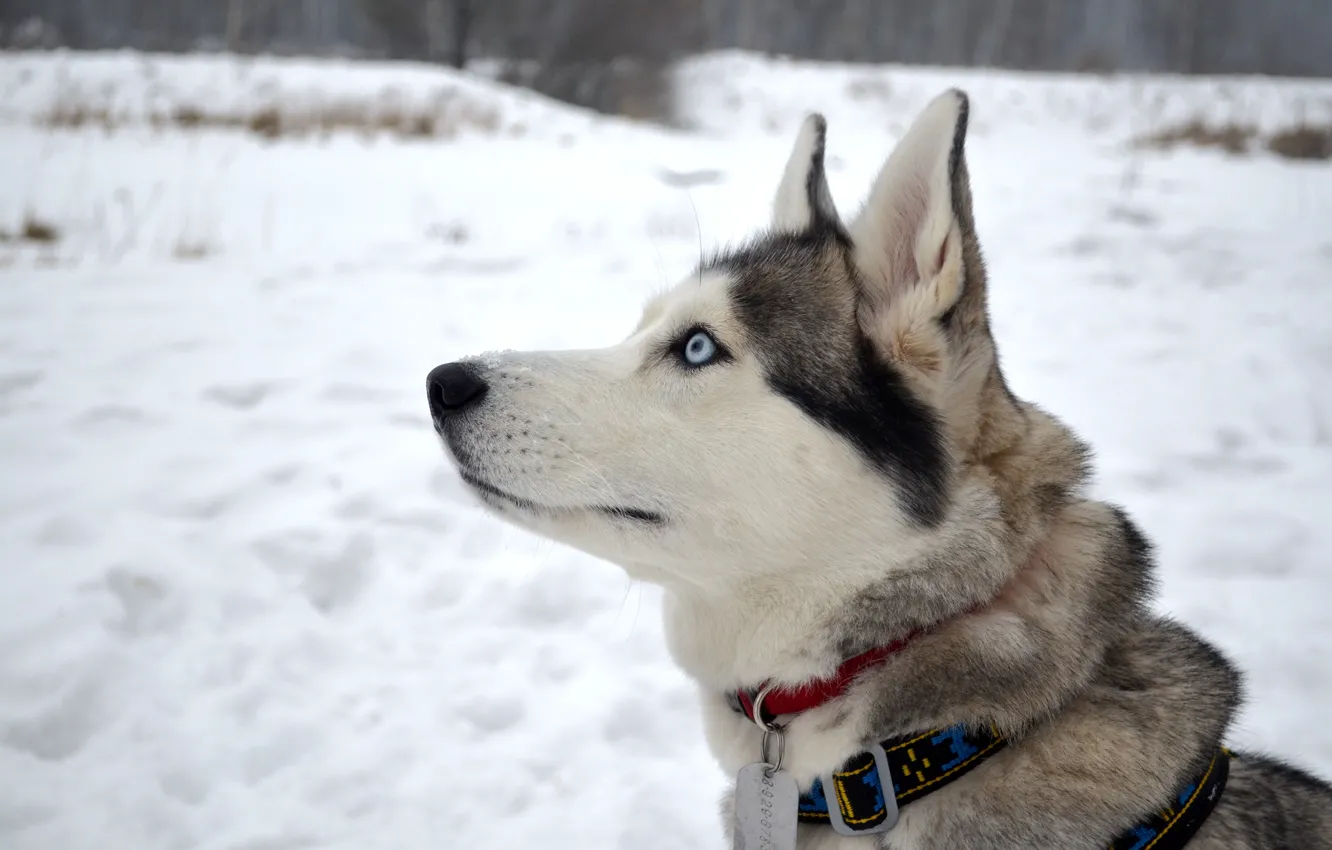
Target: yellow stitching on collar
949, 773
905, 744
1196, 791
855, 772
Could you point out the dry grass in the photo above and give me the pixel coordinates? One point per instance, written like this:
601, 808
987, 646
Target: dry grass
455, 233
69, 115
868, 87
192, 251
444, 115
1231, 138
32, 231
189, 117
36, 230
1306, 142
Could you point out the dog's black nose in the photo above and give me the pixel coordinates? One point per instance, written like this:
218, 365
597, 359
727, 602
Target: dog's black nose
454, 387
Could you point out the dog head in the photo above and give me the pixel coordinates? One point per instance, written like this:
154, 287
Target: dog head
816, 397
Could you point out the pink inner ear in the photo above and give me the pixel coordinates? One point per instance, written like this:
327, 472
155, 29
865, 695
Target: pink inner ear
907, 217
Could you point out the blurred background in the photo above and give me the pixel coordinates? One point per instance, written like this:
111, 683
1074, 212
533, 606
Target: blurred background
245, 603
607, 54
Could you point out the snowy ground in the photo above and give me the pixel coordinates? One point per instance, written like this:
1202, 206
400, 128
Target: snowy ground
247, 605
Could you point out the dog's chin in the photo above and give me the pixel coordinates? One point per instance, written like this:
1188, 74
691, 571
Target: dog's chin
541, 516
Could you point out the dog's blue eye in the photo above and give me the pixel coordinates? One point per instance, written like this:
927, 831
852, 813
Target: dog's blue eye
699, 349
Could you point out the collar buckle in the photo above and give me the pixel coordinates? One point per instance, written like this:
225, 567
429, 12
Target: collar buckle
885, 781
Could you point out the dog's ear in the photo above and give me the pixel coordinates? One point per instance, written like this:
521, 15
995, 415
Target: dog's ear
803, 200
909, 237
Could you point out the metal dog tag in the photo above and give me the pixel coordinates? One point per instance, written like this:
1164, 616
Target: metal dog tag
767, 805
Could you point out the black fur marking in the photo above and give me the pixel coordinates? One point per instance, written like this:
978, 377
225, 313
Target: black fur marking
1278, 806
891, 427
955, 154
1286, 773
1139, 547
638, 514
817, 194
488, 489
1136, 563
815, 354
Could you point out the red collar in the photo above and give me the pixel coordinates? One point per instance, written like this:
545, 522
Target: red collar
783, 700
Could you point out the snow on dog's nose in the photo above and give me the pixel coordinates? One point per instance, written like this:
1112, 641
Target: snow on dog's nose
452, 388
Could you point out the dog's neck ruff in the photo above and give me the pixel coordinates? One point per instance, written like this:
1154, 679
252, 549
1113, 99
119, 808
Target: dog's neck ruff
863, 796
773, 701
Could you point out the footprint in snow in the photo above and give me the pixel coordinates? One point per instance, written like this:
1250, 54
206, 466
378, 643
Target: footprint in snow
17, 816
66, 531
147, 605
240, 396
690, 179
282, 749
12, 383
331, 577
61, 728
490, 716
104, 415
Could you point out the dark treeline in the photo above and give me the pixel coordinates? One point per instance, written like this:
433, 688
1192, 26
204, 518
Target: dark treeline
603, 53
1284, 37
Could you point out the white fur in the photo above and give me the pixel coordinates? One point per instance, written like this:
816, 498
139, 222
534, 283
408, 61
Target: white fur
760, 498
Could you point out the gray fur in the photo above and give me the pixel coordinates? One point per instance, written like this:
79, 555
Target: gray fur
1035, 596
1096, 666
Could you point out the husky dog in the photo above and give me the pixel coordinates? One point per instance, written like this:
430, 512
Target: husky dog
809, 444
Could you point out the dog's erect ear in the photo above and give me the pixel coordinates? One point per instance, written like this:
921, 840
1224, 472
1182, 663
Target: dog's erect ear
909, 234
803, 199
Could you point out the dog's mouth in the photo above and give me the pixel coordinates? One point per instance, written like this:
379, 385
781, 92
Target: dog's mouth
493, 493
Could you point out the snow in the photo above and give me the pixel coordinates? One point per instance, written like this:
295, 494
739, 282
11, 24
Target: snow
248, 605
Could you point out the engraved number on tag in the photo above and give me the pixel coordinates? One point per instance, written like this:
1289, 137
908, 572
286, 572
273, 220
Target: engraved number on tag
767, 804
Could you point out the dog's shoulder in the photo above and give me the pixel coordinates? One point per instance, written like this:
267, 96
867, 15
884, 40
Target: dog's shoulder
1269, 804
